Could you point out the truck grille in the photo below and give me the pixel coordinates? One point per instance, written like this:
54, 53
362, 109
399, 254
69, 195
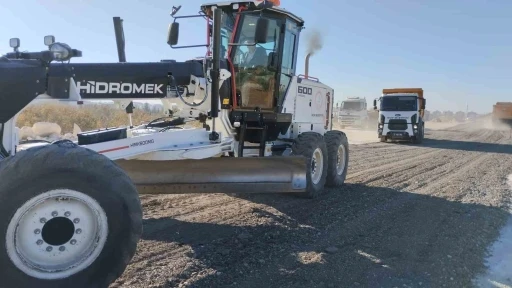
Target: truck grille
352, 118
397, 124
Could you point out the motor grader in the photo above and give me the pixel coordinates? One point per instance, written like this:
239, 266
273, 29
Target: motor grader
71, 214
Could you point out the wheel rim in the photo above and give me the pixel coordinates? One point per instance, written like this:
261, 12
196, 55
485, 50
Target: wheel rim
56, 234
340, 160
317, 166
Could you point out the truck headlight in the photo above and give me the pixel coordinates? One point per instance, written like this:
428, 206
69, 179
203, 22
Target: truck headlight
61, 51
380, 126
415, 126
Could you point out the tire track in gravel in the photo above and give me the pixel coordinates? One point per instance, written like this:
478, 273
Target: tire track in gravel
433, 169
384, 157
393, 166
383, 237
439, 170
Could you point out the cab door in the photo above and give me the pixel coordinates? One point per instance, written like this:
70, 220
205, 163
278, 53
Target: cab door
288, 62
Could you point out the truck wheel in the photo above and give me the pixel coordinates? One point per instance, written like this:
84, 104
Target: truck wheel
337, 150
418, 139
421, 135
69, 218
383, 139
312, 146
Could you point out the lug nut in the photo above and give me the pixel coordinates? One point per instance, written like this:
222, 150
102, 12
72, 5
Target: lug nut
55, 213
49, 248
42, 220
73, 242
67, 214
39, 242
62, 248
76, 220
78, 231
37, 231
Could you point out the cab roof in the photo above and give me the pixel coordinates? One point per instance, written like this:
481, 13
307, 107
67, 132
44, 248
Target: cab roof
253, 6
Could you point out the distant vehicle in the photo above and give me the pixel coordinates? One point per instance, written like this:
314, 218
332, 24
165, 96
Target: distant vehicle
401, 114
502, 113
353, 112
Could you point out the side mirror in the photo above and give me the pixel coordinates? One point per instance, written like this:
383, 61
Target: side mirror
49, 40
175, 10
272, 61
260, 35
375, 104
14, 43
423, 103
173, 33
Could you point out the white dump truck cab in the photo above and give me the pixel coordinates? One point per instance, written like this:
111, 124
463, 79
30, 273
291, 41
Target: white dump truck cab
401, 112
353, 112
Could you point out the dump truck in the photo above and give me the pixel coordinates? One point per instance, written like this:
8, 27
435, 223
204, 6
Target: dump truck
502, 113
401, 113
70, 211
353, 112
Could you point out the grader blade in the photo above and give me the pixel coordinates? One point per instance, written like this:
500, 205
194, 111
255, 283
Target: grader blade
218, 175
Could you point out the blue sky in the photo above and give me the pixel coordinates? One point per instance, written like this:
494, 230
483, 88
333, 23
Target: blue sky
459, 51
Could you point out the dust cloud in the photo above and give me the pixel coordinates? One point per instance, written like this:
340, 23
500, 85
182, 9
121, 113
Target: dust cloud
358, 136
485, 122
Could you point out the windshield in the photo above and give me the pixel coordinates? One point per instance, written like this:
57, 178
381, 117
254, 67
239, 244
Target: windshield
256, 55
226, 30
358, 106
254, 79
398, 103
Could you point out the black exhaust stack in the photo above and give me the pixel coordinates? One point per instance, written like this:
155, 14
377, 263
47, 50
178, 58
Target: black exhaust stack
118, 29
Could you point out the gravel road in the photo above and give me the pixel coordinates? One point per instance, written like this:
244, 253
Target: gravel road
408, 216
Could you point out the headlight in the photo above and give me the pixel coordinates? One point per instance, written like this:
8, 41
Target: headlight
415, 126
60, 51
380, 126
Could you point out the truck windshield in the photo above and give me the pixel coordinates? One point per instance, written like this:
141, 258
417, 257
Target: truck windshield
398, 103
357, 106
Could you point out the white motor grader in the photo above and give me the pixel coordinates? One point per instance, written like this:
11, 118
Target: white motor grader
71, 214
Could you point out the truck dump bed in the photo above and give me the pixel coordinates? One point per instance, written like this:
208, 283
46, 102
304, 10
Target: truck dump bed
502, 111
403, 90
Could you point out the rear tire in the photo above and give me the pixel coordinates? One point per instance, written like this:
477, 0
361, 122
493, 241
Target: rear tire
70, 212
312, 146
338, 158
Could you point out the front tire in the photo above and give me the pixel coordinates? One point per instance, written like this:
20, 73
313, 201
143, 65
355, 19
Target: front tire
337, 149
70, 217
312, 146
419, 139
